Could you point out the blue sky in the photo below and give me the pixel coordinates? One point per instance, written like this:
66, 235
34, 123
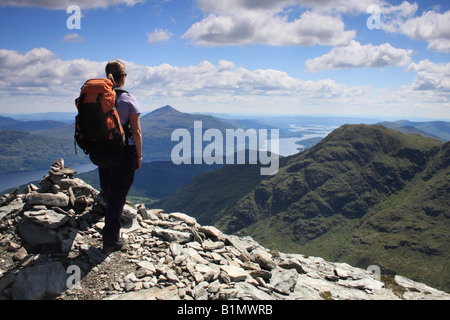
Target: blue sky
274, 57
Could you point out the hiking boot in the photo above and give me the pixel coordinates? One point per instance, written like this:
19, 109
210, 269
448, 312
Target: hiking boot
111, 246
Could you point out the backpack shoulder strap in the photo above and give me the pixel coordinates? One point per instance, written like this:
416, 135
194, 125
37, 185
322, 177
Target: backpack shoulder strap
120, 91
126, 127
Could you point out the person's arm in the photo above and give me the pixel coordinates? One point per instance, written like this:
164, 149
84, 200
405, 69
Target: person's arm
137, 136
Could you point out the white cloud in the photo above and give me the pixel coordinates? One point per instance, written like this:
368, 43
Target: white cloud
277, 23
63, 4
341, 6
318, 22
73, 37
265, 27
328, 6
281, 22
225, 79
159, 35
432, 76
224, 7
431, 26
39, 80
356, 55
40, 73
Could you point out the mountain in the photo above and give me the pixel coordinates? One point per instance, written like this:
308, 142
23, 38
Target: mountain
22, 151
436, 129
6, 121
65, 132
167, 119
31, 126
366, 195
66, 117
158, 126
50, 139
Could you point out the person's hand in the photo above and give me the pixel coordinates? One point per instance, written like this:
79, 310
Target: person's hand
138, 163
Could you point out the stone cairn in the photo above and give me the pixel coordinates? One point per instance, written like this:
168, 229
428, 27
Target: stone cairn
50, 244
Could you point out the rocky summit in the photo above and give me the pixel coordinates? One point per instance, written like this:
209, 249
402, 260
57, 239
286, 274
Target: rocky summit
50, 245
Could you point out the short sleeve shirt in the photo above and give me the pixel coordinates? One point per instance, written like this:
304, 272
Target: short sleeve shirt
126, 105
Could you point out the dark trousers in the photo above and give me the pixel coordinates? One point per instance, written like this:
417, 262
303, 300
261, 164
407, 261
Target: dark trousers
116, 173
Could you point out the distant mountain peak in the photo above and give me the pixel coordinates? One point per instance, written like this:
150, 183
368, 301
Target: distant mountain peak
165, 110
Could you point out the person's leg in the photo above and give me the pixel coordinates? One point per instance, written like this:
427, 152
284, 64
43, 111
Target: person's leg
121, 178
103, 174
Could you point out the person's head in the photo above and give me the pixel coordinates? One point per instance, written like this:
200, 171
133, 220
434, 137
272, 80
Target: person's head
115, 71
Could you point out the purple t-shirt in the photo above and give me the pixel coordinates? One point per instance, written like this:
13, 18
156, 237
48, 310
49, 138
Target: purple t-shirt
126, 105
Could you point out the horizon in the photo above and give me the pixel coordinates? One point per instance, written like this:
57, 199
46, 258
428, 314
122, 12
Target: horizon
379, 59
242, 116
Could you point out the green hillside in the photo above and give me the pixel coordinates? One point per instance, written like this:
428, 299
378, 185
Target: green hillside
155, 180
364, 195
21, 151
210, 194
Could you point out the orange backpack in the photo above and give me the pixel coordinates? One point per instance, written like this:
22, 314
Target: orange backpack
97, 124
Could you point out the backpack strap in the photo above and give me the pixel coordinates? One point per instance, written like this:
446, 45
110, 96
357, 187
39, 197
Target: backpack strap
126, 126
118, 90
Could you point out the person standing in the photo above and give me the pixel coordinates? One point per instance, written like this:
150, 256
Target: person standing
117, 170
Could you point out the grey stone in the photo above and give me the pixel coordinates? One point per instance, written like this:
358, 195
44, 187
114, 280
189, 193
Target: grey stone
48, 199
129, 213
148, 266
168, 293
210, 245
13, 206
190, 221
79, 191
235, 273
47, 218
210, 231
37, 282
283, 280
96, 255
263, 258
37, 235
247, 291
66, 183
173, 235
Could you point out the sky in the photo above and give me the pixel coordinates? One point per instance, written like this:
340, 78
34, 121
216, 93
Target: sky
369, 58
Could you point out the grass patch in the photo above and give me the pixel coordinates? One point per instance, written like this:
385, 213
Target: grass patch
390, 283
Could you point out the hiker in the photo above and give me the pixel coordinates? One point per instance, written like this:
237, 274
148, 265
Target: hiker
117, 169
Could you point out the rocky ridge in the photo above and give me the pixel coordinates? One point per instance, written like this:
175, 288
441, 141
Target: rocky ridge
50, 244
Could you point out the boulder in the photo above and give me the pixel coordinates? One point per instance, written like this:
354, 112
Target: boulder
48, 199
40, 281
